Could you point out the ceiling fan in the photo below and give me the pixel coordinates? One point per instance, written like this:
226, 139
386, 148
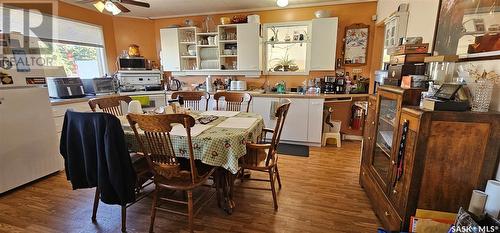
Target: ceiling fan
114, 6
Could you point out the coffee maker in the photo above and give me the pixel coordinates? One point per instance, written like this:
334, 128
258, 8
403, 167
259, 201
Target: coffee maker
329, 87
340, 85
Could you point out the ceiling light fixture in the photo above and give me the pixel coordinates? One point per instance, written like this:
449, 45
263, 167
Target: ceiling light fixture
282, 3
108, 6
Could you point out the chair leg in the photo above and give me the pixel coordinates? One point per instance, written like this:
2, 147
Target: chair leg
273, 189
124, 218
217, 188
153, 210
190, 210
96, 204
278, 176
242, 175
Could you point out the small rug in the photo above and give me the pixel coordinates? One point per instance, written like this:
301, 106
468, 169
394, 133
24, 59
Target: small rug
295, 150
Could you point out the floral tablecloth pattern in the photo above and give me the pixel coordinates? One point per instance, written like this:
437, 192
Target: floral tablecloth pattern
215, 146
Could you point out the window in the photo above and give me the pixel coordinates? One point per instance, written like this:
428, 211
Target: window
287, 48
77, 60
77, 47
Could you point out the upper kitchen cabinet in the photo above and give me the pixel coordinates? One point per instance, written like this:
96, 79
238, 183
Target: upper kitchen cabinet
234, 49
170, 54
324, 43
250, 53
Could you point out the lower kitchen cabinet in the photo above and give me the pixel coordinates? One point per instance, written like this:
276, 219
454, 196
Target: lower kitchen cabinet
418, 159
303, 123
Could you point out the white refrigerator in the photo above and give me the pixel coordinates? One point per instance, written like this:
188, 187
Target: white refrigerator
28, 142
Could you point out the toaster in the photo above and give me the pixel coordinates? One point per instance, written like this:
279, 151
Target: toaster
63, 88
238, 85
100, 86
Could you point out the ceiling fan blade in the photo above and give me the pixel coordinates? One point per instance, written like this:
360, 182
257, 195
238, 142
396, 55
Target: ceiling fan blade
136, 3
121, 7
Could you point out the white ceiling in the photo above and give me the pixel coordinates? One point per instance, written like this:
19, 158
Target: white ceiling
173, 8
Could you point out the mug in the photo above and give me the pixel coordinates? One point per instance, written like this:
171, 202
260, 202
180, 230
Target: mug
211, 40
135, 107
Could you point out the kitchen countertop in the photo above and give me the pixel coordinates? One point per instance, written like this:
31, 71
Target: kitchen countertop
56, 102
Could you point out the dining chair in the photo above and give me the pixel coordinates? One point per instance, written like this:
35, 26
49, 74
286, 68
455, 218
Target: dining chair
234, 101
193, 99
109, 104
170, 168
263, 157
112, 105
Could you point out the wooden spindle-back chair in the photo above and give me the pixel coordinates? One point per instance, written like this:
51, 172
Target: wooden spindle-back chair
263, 156
112, 105
109, 104
193, 99
234, 101
165, 162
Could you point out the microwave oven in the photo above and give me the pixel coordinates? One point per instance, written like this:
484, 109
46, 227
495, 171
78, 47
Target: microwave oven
132, 63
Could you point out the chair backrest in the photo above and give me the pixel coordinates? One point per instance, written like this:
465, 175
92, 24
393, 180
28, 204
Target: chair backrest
281, 114
234, 100
109, 104
155, 141
192, 99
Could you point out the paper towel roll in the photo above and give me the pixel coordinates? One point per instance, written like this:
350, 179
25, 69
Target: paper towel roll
493, 201
477, 202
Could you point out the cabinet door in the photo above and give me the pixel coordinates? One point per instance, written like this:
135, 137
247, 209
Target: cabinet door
296, 122
169, 54
315, 121
403, 163
368, 136
249, 48
386, 126
262, 106
324, 46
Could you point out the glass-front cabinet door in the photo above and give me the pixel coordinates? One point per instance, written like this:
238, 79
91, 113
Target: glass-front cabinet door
385, 129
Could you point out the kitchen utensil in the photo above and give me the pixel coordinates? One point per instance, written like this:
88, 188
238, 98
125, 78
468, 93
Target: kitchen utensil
174, 84
322, 14
135, 107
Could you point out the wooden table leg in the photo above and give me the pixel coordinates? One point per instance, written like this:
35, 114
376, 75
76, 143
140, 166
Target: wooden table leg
226, 180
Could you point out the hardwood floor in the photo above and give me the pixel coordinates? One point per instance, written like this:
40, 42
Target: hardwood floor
320, 194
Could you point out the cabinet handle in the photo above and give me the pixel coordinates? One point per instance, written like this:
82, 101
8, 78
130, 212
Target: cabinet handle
369, 138
387, 213
373, 122
393, 162
364, 174
394, 191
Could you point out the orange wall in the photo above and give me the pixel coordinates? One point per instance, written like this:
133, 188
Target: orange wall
347, 13
94, 17
135, 31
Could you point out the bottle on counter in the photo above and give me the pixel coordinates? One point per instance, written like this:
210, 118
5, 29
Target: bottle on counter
208, 83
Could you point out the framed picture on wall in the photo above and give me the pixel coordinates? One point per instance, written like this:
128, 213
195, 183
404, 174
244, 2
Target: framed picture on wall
469, 29
356, 44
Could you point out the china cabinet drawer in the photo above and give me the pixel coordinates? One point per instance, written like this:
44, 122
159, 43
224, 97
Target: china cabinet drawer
381, 205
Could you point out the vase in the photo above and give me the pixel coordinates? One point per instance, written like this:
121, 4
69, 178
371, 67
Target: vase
482, 95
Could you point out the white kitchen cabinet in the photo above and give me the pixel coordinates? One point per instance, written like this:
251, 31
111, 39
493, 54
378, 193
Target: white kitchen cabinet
262, 106
324, 43
249, 50
315, 120
303, 124
170, 54
296, 123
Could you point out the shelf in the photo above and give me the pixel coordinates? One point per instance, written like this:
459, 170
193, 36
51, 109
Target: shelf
388, 121
228, 41
287, 42
207, 46
187, 42
188, 57
228, 55
228, 25
207, 33
384, 149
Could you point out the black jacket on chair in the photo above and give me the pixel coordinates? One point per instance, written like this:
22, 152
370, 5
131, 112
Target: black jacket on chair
95, 154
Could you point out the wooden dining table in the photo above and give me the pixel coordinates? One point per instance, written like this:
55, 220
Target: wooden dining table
219, 143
